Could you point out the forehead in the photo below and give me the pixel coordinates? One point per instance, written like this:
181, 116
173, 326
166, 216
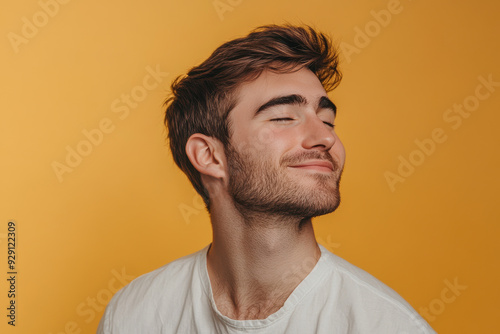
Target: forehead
250, 95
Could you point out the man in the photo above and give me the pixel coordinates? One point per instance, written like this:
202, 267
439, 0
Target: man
253, 129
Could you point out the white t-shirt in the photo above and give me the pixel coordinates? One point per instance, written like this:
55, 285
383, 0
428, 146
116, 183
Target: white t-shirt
335, 297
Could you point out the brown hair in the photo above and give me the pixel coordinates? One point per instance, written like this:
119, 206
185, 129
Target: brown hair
201, 100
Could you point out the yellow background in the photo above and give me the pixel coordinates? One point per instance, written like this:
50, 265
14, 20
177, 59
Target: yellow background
120, 210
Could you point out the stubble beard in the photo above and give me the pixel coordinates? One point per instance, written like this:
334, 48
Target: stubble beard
259, 187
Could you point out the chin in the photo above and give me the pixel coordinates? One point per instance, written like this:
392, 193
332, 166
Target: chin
308, 206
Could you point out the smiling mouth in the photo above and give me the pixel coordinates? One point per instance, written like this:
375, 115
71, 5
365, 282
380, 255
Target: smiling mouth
321, 166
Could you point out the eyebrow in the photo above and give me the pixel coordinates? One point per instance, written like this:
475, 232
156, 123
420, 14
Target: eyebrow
326, 103
295, 99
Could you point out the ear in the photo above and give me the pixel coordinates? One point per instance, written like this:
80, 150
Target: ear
207, 155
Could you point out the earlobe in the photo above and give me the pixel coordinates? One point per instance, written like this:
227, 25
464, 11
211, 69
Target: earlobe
204, 152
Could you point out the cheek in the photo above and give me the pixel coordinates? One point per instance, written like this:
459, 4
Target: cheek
271, 145
265, 137
270, 141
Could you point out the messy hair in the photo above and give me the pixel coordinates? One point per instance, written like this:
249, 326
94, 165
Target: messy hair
201, 100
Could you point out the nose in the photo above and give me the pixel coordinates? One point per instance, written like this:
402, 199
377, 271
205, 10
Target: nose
318, 135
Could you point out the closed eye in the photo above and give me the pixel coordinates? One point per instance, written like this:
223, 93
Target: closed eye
288, 119
280, 120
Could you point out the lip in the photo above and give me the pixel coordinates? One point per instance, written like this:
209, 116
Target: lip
319, 165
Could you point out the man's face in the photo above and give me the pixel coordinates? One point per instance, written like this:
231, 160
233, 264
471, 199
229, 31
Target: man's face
284, 157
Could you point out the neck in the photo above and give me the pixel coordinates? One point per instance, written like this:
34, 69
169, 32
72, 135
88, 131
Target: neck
256, 260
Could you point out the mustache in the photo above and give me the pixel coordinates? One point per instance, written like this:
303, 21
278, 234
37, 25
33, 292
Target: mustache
298, 158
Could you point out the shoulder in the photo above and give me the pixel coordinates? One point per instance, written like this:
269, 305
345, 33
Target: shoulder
144, 296
357, 278
366, 298
161, 278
